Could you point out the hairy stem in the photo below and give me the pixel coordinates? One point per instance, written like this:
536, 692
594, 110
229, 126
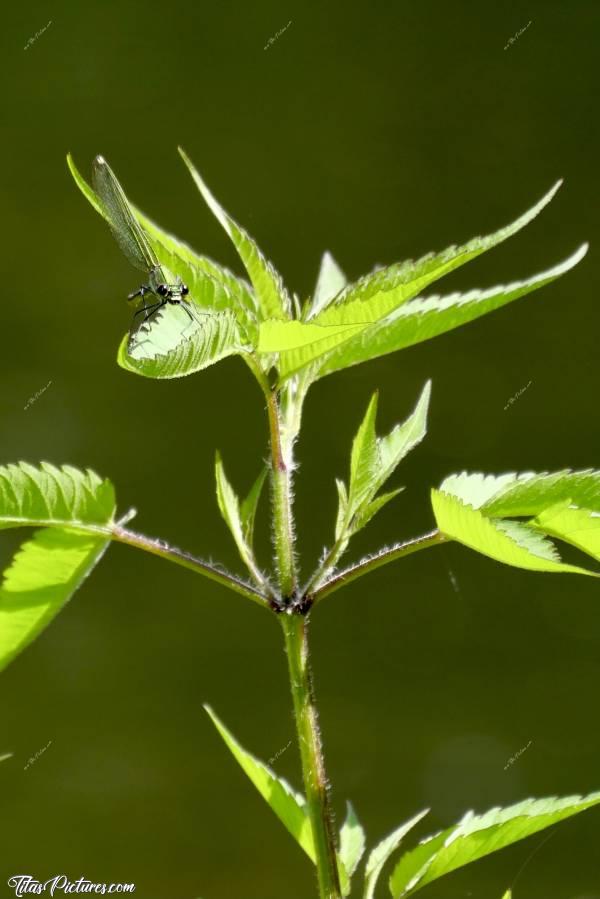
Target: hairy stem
370, 563
281, 486
116, 531
311, 754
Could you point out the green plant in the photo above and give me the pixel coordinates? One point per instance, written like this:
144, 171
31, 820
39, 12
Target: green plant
289, 345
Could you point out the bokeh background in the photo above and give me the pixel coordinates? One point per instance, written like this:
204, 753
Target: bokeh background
378, 131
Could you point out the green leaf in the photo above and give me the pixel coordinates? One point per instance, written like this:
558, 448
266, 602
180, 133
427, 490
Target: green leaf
375, 295
577, 526
44, 574
374, 459
31, 496
476, 836
404, 437
211, 286
240, 525
7, 755
290, 807
330, 282
364, 460
512, 543
50, 566
273, 300
507, 895
566, 506
85, 188
352, 841
421, 319
170, 346
250, 504
302, 341
342, 513
382, 852
530, 493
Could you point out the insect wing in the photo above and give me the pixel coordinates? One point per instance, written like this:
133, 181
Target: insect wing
123, 224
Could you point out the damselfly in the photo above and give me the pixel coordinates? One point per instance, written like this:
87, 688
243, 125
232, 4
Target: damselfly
134, 243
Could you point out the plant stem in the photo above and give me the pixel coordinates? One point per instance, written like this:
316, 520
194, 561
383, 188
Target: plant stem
283, 527
116, 531
311, 753
370, 563
284, 413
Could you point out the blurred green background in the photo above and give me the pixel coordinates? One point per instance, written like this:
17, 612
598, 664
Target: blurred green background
378, 131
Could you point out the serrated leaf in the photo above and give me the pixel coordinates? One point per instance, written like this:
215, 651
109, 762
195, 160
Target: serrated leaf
476, 836
555, 499
330, 282
375, 295
530, 493
476, 489
272, 298
364, 460
352, 841
374, 459
211, 285
421, 319
383, 851
511, 543
579, 527
290, 807
394, 447
49, 567
170, 346
31, 495
44, 574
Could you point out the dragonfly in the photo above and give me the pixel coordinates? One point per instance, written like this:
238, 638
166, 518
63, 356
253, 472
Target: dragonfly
135, 245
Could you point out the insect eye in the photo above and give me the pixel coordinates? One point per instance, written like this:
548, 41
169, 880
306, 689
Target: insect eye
162, 289
184, 290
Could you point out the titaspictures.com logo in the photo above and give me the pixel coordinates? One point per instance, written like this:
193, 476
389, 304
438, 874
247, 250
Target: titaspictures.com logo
26, 885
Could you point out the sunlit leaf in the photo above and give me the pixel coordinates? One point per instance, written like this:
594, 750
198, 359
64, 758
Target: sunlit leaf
565, 505
374, 459
421, 319
330, 282
301, 340
530, 493
579, 527
34, 496
173, 347
50, 566
377, 294
510, 542
476, 836
352, 841
364, 460
211, 285
290, 807
272, 297
383, 851
44, 574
